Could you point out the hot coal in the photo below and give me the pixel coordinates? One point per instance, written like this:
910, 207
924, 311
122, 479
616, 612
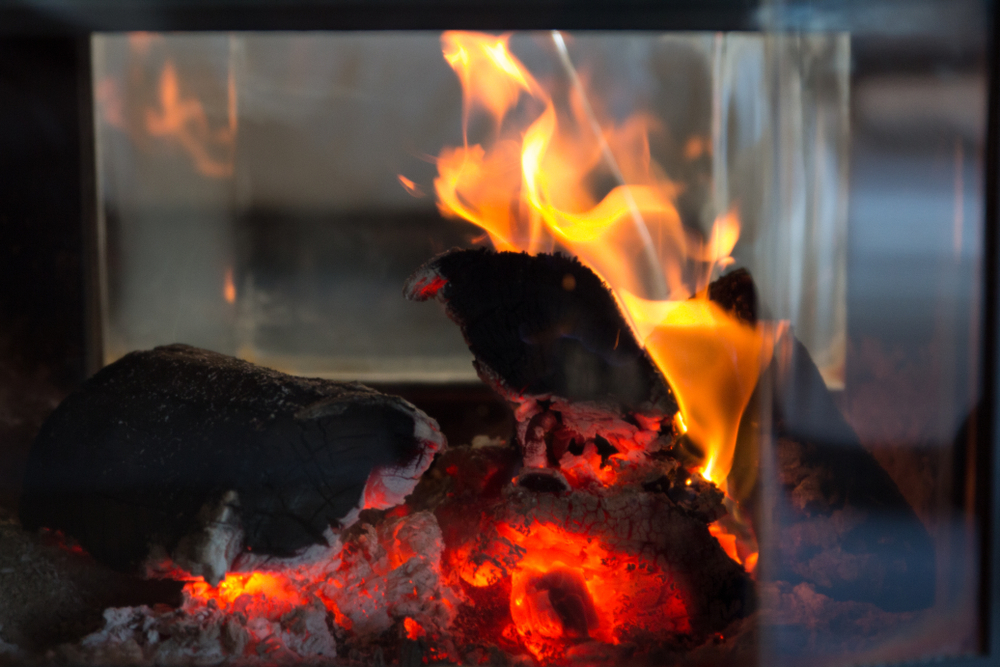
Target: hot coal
195, 458
522, 539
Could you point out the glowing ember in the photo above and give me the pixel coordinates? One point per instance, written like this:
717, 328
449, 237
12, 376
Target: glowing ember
413, 629
382, 579
568, 588
262, 593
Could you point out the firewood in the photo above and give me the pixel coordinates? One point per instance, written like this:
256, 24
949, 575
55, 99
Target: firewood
840, 522
578, 379
200, 457
543, 325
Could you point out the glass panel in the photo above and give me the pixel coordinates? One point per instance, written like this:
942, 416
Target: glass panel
251, 191
267, 196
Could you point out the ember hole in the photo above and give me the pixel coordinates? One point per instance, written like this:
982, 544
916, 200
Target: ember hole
559, 605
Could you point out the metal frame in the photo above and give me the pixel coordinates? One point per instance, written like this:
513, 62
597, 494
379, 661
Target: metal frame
72, 21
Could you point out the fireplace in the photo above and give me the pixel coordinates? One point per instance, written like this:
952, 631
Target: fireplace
811, 188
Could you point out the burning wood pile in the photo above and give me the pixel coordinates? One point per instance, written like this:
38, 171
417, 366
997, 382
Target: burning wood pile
314, 521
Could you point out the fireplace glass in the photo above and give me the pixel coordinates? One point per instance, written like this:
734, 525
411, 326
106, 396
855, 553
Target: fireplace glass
267, 195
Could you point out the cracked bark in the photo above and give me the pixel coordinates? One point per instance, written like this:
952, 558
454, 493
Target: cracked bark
126, 464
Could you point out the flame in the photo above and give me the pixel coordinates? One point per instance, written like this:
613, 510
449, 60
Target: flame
411, 188
530, 187
182, 119
228, 286
712, 361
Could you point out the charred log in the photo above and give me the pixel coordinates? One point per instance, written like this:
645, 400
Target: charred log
651, 563
850, 532
844, 526
543, 325
192, 454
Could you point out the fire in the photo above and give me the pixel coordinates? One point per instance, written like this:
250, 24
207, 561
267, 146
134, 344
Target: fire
411, 188
530, 187
228, 286
712, 361
182, 119
569, 588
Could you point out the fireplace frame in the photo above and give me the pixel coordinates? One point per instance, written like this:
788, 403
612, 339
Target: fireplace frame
50, 255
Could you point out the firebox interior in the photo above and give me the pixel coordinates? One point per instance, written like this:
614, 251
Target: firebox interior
700, 315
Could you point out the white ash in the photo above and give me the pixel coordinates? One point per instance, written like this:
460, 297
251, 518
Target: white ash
389, 486
145, 636
480, 441
209, 552
367, 586
391, 573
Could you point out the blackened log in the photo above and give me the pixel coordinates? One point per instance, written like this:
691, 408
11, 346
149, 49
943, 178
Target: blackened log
543, 325
842, 523
176, 448
736, 293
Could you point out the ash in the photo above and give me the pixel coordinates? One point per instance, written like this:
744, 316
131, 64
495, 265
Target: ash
356, 590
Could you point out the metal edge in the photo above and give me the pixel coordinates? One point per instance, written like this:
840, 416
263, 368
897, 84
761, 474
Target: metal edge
83, 16
988, 472
92, 259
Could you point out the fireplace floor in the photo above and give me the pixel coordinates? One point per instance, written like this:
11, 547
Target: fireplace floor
50, 595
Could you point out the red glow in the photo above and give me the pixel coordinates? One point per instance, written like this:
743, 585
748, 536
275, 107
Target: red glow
229, 287
569, 587
430, 289
414, 630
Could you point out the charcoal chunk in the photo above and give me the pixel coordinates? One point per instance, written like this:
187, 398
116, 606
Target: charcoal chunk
174, 448
541, 325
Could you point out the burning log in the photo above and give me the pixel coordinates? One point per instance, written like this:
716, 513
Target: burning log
547, 336
602, 536
187, 457
847, 528
556, 571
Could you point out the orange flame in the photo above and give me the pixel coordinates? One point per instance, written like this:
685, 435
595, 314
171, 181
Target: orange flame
228, 286
530, 187
411, 188
182, 119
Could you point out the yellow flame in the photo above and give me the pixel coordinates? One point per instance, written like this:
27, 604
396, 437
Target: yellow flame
530, 187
